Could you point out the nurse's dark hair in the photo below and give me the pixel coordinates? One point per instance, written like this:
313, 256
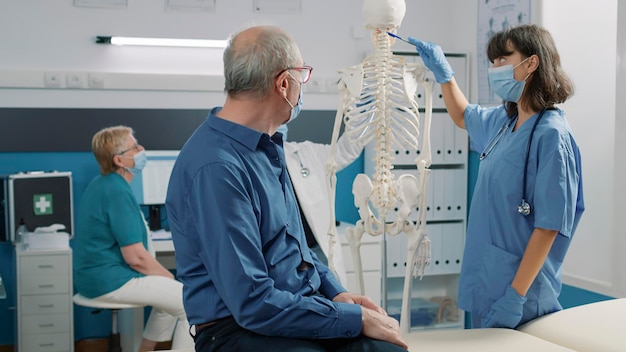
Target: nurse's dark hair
549, 84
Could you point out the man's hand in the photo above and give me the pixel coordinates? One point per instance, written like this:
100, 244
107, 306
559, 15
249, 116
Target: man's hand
347, 297
376, 323
382, 327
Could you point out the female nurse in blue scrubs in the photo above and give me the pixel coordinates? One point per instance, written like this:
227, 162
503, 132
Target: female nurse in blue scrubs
528, 196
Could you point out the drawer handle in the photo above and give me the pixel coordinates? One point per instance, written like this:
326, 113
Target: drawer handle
46, 286
46, 266
46, 305
50, 344
49, 325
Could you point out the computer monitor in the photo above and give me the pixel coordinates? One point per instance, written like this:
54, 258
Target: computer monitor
150, 186
38, 199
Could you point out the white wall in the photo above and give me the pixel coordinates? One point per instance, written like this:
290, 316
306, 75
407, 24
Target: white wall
586, 39
619, 205
38, 36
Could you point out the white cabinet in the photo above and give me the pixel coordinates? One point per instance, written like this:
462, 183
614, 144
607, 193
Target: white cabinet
44, 300
434, 296
370, 263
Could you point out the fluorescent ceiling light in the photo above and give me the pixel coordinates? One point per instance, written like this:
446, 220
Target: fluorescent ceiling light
194, 43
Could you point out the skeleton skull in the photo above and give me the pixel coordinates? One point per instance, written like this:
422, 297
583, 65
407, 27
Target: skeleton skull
383, 14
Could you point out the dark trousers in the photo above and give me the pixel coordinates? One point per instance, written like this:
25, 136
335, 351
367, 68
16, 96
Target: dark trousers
228, 336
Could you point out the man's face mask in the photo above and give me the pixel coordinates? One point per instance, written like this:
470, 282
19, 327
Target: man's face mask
295, 109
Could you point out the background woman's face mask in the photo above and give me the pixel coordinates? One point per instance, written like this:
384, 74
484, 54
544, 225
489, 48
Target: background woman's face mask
140, 160
503, 83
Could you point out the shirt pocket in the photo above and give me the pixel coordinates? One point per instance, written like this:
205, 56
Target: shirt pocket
542, 298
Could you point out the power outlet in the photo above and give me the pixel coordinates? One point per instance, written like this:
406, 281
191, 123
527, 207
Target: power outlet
74, 80
52, 79
314, 86
331, 85
95, 80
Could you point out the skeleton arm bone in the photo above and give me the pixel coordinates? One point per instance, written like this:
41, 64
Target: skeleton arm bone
331, 186
425, 158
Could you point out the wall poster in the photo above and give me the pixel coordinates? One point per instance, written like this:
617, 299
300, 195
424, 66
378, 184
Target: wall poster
494, 16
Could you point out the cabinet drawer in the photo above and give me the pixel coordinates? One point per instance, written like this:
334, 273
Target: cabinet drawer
47, 343
45, 265
45, 324
39, 285
44, 304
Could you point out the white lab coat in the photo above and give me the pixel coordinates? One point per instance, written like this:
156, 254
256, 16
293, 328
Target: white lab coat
312, 190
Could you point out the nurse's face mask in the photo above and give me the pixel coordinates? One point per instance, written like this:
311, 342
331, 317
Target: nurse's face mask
503, 83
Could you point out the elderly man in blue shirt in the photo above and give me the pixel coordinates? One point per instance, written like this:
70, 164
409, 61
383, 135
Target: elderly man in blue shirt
250, 281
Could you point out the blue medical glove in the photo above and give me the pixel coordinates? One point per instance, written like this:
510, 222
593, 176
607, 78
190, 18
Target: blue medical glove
434, 59
507, 311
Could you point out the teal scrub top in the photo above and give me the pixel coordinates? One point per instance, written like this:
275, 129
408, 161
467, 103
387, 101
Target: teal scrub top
108, 218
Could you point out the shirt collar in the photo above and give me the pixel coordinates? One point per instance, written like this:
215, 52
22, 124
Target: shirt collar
248, 137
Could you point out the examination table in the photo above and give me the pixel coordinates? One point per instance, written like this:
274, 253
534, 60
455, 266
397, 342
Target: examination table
594, 327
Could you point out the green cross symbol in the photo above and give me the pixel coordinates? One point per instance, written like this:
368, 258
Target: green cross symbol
42, 204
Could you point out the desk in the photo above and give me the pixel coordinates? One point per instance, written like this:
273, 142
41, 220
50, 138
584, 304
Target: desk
164, 248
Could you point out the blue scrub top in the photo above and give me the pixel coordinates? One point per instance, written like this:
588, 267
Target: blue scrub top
497, 235
240, 244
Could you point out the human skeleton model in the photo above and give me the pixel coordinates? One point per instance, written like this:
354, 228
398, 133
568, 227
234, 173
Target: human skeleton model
378, 106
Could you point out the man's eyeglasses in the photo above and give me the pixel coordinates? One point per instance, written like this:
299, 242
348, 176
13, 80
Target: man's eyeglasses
136, 147
305, 72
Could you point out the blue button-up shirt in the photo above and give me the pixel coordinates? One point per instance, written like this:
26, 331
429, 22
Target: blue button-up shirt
240, 245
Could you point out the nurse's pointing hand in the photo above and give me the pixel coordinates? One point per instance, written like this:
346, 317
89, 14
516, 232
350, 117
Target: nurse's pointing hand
434, 59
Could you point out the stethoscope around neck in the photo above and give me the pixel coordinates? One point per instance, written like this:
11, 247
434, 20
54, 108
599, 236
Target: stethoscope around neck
524, 207
304, 171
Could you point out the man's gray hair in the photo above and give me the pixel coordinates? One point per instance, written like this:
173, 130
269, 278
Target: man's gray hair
250, 67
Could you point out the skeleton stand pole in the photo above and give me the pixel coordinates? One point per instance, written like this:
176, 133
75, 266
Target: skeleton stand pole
383, 283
